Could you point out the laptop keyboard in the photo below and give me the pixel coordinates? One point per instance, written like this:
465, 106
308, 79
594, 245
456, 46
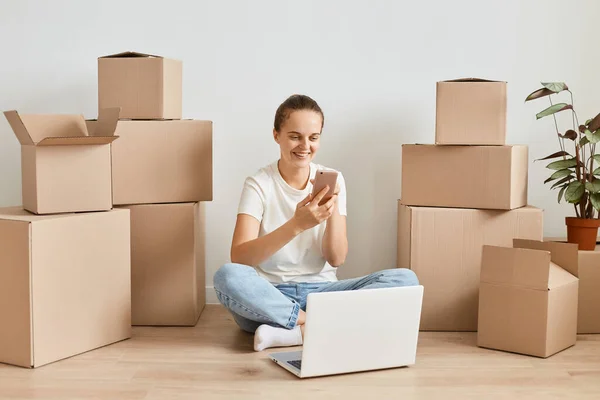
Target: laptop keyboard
295, 363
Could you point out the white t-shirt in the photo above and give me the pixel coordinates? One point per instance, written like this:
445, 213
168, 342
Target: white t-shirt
267, 197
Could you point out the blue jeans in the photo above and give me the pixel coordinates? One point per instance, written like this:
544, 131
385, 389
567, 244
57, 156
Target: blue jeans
253, 300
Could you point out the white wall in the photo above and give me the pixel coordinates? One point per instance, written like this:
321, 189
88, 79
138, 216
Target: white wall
372, 65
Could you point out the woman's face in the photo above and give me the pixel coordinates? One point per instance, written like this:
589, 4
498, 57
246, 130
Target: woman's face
299, 137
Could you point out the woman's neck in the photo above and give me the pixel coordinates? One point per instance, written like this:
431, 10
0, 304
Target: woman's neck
295, 177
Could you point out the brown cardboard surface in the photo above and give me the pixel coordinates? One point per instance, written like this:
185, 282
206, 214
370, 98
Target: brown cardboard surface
501, 308
144, 86
443, 246
471, 112
481, 177
168, 263
588, 320
588, 304
515, 315
67, 280
65, 167
162, 162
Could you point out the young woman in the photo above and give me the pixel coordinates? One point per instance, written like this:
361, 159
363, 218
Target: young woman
285, 245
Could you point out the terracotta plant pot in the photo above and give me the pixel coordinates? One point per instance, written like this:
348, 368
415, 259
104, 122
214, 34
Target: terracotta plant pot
583, 232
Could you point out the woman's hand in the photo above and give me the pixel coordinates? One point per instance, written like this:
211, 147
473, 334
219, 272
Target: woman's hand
310, 214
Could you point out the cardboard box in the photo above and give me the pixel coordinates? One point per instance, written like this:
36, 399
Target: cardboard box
528, 300
162, 162
443, 247
65, 166
145, 86
588, 272
168, 263
482, 177
65, 284
471, 112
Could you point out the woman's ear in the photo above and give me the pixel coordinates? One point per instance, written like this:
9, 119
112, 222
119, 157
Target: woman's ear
276, 135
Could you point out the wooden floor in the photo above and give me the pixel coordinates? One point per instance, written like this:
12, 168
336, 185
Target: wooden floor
215, 360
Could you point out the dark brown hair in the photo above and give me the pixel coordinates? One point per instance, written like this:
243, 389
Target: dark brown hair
293, 103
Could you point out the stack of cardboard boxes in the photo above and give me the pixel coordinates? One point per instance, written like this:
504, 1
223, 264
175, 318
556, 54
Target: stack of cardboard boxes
111, 232
65, 276
464, 200
162, 174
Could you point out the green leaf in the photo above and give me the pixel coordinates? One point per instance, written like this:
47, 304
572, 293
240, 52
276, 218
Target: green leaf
574, 192
562, 181
595, 199
596, 158
559, 174
584, 140
597, 171
553, 110
594, 124
539, 93
557, 154
562, 164
560, 194
593, 137
556, 87
593, 187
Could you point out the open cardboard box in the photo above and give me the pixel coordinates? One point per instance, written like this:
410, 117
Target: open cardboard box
588, 272
471, 111
65, 166
527, 298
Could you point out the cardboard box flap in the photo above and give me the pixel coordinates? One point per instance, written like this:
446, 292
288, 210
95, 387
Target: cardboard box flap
559, 277
130, 54
77, 140
472, 80
508, 266
18, 128
62, 129
565, 255
106, 123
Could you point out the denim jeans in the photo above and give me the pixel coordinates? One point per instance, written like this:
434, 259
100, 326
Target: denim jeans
253, 300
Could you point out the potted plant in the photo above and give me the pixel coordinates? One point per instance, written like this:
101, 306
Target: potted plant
576, 172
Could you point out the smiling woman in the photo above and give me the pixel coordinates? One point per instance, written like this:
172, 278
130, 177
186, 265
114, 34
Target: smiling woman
287, 243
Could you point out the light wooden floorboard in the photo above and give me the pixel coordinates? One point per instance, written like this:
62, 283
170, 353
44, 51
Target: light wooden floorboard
215, 360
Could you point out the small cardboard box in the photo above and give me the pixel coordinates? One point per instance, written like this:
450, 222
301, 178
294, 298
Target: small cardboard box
65, 165
528, 299
482, 177
144, 86
65, 284
162, 162
470, 111
588, 272
443, 247
167, 263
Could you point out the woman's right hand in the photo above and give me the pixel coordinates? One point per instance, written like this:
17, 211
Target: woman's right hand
310, 214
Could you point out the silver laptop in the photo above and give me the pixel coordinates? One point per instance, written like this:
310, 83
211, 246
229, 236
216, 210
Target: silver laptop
358, 330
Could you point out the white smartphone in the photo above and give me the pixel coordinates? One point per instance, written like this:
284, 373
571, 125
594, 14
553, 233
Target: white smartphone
322, 179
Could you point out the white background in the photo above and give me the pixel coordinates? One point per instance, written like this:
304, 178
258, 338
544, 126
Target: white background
372, 66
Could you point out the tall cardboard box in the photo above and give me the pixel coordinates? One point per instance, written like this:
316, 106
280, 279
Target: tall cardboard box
65, 167
588, 272
528, 300
481, 177
168, 263
65, 284
162, 162
470, 111
443, 247
145, 86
